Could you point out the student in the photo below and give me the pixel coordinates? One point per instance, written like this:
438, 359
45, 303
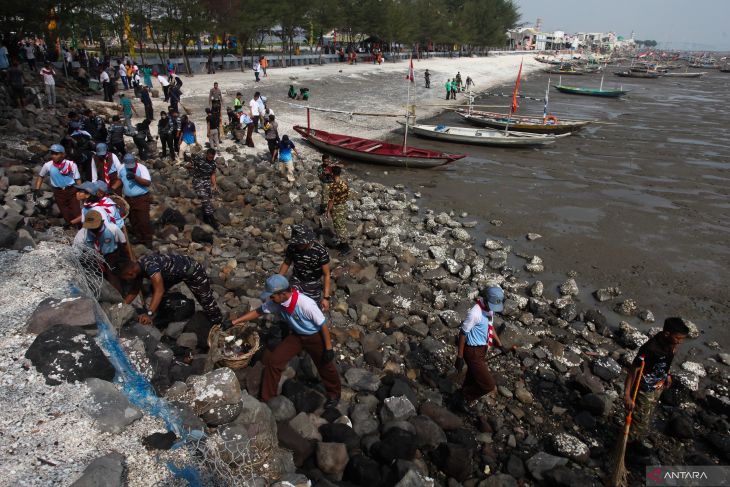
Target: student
283, 154
109, 240
50, 83
136, 180
63, 174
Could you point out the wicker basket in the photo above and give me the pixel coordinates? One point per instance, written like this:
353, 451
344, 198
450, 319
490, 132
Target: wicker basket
216, 342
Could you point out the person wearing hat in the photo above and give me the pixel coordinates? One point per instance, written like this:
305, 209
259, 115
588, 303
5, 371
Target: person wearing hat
476, 336
109, 240
63, 174
93, 197
165, 271
105, 165
135, 178
311, 263
115, 136
202, 168
308, 331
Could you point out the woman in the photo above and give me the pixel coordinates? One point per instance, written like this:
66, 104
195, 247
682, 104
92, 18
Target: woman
147, 75
283, 154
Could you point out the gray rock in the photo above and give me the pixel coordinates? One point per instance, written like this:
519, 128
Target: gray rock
541, 462
397, 409
332, 459
606, 294
104, 471
78, 311
569, 288
8, 236
647, 316
606, 368
627, 307
258, 420
111, 410
499, 480
214, 389
413, 478
362, 380
596, 404
441, 416
523, 395
119, 314
293, 480
187, 340
429, 434
307, 425
569, 446
282, 408
537, 289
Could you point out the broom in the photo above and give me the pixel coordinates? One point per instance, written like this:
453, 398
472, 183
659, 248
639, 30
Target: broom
619, 475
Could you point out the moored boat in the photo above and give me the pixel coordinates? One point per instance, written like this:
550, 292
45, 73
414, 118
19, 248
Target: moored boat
697, 74
636, 74
517, 123
499, 138
575, 90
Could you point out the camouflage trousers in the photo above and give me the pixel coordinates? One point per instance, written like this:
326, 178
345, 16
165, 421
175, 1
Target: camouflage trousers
646, 403
325, 194
199, 284
204, 192
339, 220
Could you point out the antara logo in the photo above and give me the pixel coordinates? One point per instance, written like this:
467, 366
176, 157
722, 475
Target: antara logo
686, 475
655, 475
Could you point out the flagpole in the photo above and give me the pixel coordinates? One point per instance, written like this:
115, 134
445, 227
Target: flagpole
405, 137
547, 96
514, 99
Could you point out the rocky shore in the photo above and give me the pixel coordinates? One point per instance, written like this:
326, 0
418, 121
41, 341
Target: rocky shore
399, 299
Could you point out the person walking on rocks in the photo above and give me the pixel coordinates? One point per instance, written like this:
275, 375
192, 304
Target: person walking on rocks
255, 110
257, 70
271, 134
448, 89
115, 136
188, 135
324, 173
215, 97
657, 353
264, 65
283, 154
105, 165
63, 174
49, 82
476, 337
213, 123
165, 271
309, 331
248, 123
93, 196
146, 100
127, 109
202, 169
135, 179
166, 135
311, 263
162, 79
337, 209
106, 85
107, 239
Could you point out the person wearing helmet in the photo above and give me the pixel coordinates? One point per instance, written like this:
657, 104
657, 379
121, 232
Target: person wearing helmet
93, 197
109, 240
63, 175
135, 178
476, 336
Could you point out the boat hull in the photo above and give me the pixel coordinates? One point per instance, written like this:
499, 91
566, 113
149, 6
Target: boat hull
482, 137
520, 126
684, 75
571, 90
633, 74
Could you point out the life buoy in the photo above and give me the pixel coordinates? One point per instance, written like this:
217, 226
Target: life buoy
551, 120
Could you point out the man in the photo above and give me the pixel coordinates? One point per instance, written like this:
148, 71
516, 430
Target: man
105, 165
311, 265
166, 132
448, 89
309, 331
165, 271
213, 124
146, 100
64, 175
174, 95
122, 70
324, 173
135, 178
176, 129
202, 170
29, 50
127, 108
50, 83
165, 85
109, 240
427, 78
238, 102
283, 154
657, 353
106, 85
255, 110
257, 70
469, 82
337, 209
271, 134
264, 65
476, 337
115, 136
247, 122
215, 97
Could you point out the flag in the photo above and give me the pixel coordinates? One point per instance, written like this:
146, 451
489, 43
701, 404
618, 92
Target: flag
545, 108
410, 72
517, 89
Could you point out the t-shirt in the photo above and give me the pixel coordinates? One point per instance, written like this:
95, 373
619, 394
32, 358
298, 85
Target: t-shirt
213, 120
324, 172
122, 71
48, 76
104, 77
478, 325
271, 130
106, 207
255, 107
133, 188
4, 63
29, 51
106, 241
308, 262
163, 80
188, 132
300, 312
126, 107
339, 192
173, 267
63, 174
658, 357
202, 167
285, 149
111, 164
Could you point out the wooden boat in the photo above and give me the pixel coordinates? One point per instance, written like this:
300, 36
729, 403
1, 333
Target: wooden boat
517, 123
685, 75
375, 151
498, 138
575, 90
569, 71
636, 74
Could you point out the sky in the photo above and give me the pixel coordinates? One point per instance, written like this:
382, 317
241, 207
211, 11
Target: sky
673, 23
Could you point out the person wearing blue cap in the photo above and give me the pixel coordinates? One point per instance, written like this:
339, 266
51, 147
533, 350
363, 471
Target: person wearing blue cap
476, 336
108, 239
308, 331
136, 180
92, 197
105, 165
64, 174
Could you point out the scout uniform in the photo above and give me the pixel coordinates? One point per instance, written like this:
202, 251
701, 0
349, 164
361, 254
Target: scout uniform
138, 196
108, 239
63, 175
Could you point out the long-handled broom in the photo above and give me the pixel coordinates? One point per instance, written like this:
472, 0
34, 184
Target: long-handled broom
619, 475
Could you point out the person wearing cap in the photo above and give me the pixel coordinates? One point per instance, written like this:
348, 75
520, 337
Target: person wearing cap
127, 109
202, 168
109, 240
115, 136
135, 178
105, 165
311, 263
476, 336
337, 208
165, 271
309, 331
63, 174
324, 173
93, 198
165, 131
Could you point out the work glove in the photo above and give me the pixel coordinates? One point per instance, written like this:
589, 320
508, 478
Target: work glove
226, 325
328, 356
459, 364
131, 177
36, 195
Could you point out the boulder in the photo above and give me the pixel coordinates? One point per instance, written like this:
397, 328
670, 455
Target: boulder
303, 398
429, 435
159, 441
441, 416
362, 470
396, 409
568, 446
606, 368
282, 408
107, 470
199, 235
332, 459
596, 404
499, 480
119, 314
362, 380
455, 461
76, 311
307, 425
415, 479
541, 462
215, 395
260, 424
111, 410
680, 427
8, 236
394, 444
290, 439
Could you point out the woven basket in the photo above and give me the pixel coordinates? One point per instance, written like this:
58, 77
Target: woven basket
216, 342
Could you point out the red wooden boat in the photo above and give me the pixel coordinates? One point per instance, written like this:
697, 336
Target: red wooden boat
375, 151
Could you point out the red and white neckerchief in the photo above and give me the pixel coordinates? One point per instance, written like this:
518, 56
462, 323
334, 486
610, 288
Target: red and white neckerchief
134, 171
105, 204
106, 166
64, 167
292, 302
490, 321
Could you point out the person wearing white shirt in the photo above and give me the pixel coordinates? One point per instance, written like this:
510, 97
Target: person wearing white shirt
123, 75
47, 72
165, 85
106, 85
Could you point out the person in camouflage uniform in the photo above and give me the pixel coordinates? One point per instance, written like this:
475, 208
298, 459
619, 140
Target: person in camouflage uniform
202, 168
337, 208
324, 173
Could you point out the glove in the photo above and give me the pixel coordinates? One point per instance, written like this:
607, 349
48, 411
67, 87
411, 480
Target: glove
226, 325
131, 177
328, 356
36, 195
459, 364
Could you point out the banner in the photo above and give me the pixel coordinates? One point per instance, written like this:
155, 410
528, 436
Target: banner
410, 76
517, 89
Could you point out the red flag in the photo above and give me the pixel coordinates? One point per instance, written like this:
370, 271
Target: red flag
517, 89
410, 72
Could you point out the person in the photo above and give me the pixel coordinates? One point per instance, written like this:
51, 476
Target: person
63, 174
238, 102
311, 261
255, 109
106, 85
324, 173
458, 81
283, 154
136, 81
188, 135
109, 240
174, 95
147, 76
657, 353
202, 168
146, 100
29, 50
162, 79
91, 196
17, 84
166, 135
469, 82
256, 70
135, 178
303, 94
50, 84
122, 70
264, 65
176, 125
309, 331
213, 123
448, 89
476, 337
215, 97
4, 59
247, 122
271, 134
105, 165
454, 89
115, 136
427, 78
127, 108
337, 209
141, 136
165, 271
171, 68
292, 92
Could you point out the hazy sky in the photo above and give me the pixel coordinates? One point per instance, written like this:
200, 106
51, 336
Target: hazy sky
667, 21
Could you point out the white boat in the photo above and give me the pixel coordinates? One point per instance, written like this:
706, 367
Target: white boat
466, 135
685, 75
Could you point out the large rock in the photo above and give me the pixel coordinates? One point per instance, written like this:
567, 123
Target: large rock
415, 479
307, 425
396, 409
282, 408
541, 462
119, 314
362, 470
455, 461
303, 398
66, 353
260, 424
106, 471
429, 435
332, 459
290, 439
111, 410
340, 433
77, 311
569, 446
596, 404
441, 416
394, 444
606, 368
216, 395
362, 380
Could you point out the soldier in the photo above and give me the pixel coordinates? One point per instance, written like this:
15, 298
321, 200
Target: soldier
337, 209
311, 263
108, 239
115, 136
135, 179
324, 173
64, 174
202, 169
165, 129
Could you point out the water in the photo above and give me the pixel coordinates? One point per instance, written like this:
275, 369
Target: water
640, 201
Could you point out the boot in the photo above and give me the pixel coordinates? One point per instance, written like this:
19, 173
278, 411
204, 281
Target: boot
210, 220
344, 248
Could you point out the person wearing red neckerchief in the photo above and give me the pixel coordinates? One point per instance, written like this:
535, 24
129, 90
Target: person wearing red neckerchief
63, 174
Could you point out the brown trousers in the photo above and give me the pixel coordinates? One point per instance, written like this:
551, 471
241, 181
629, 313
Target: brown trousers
67, 203
139, 217
275, 362
478, 379
249, 133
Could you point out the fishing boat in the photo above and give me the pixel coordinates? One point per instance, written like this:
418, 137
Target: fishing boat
496, 138
696, 74
636, 74
518, 123
375, 151
569, 70
575, 90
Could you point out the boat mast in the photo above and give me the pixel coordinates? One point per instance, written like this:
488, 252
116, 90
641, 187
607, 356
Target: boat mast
405, 135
